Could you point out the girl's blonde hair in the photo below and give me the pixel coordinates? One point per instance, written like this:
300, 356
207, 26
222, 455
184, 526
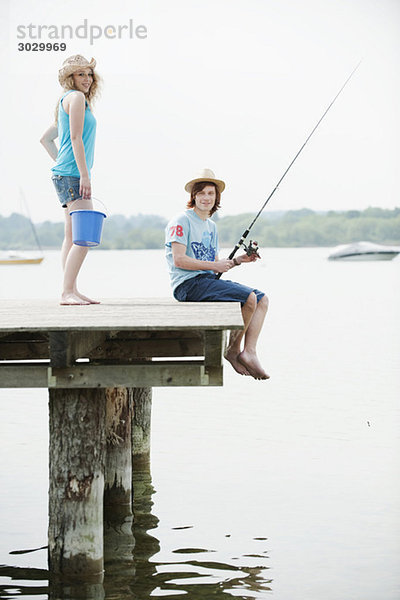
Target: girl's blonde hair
90, 97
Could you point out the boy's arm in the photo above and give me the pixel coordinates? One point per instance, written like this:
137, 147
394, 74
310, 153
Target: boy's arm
244, 258
182, 261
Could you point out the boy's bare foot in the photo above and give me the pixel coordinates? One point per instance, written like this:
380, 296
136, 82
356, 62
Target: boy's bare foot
232, 357
72, 300
252, 364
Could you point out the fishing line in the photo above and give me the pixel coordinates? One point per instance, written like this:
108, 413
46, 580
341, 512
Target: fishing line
251, 249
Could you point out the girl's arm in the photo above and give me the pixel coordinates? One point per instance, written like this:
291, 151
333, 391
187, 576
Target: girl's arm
47, 141
182, 261
76, 120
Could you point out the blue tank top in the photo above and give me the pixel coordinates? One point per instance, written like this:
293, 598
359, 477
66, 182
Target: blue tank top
65, 162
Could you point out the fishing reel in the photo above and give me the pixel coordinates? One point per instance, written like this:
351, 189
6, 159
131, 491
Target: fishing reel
252, 248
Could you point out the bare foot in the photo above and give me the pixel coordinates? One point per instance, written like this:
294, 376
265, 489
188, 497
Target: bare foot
72, 300
252, 364
86, 299
232, 357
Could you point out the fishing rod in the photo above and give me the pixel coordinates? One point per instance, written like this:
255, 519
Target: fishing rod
252, 248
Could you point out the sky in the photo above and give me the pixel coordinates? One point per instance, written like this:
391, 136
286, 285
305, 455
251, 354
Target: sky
231, 85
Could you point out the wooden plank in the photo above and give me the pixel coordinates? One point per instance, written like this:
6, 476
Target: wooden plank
66, 347
125, 351
213, 342
24, 375
128, 350
117, 315
23, 337
23, 346
157, 334
123, 346
215, 376
61, 351
150, 374
24, 350
182, 373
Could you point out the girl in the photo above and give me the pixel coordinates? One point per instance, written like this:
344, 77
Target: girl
75, 126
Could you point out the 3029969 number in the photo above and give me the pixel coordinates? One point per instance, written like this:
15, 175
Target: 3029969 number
41, 46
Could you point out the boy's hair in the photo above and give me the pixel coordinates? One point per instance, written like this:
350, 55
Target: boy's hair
199, 187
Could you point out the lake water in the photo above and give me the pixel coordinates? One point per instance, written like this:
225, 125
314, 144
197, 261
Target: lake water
287, 488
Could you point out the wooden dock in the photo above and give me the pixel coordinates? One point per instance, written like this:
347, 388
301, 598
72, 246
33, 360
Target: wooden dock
119, 343
100, 363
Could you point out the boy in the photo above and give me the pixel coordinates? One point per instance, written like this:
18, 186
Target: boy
193, 262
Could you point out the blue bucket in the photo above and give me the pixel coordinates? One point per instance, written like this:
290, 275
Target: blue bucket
87, 226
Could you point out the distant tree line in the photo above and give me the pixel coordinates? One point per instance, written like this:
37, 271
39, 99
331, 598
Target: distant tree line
299, 228
295, 228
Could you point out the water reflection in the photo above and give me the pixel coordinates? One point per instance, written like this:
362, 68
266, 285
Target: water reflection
135, 579
131, 572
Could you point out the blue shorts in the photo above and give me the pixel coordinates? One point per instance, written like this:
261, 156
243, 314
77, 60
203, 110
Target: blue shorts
67, 188
207, 288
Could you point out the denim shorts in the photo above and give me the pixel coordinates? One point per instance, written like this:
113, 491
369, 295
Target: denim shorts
67, 188
207, 288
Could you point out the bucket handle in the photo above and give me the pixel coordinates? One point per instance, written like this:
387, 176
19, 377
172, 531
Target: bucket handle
104, 206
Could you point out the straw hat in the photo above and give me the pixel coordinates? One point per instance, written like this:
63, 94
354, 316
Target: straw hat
72, 64
205, 175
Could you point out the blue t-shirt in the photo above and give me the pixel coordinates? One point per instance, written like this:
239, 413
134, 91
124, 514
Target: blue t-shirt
200, 238
65, 162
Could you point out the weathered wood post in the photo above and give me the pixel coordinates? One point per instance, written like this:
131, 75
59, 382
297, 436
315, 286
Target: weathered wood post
118, 537
127, 427
141, 426
118, 473
77, 456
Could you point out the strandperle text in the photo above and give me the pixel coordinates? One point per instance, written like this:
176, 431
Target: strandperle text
83, 31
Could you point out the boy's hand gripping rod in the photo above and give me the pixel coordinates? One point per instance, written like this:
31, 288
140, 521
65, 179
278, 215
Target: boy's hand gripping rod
249, 249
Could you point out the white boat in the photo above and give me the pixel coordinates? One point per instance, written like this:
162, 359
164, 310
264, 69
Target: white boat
364, 251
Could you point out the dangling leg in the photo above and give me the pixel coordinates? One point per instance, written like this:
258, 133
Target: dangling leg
248, 357
235, 338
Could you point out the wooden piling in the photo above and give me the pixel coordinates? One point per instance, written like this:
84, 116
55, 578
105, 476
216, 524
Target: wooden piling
118, 518
141, 426
118, 470
77, 458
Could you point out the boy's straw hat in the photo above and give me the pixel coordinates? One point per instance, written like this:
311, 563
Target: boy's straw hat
73, 64
205, 175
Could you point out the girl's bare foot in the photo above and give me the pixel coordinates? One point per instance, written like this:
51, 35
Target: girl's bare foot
86, 299
250, 361
72, 300
232, 357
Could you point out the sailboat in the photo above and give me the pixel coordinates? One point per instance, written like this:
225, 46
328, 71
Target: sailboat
14, 257
19, 258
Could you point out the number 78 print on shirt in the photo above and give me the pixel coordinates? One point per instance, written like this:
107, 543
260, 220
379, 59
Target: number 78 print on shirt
200, 237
